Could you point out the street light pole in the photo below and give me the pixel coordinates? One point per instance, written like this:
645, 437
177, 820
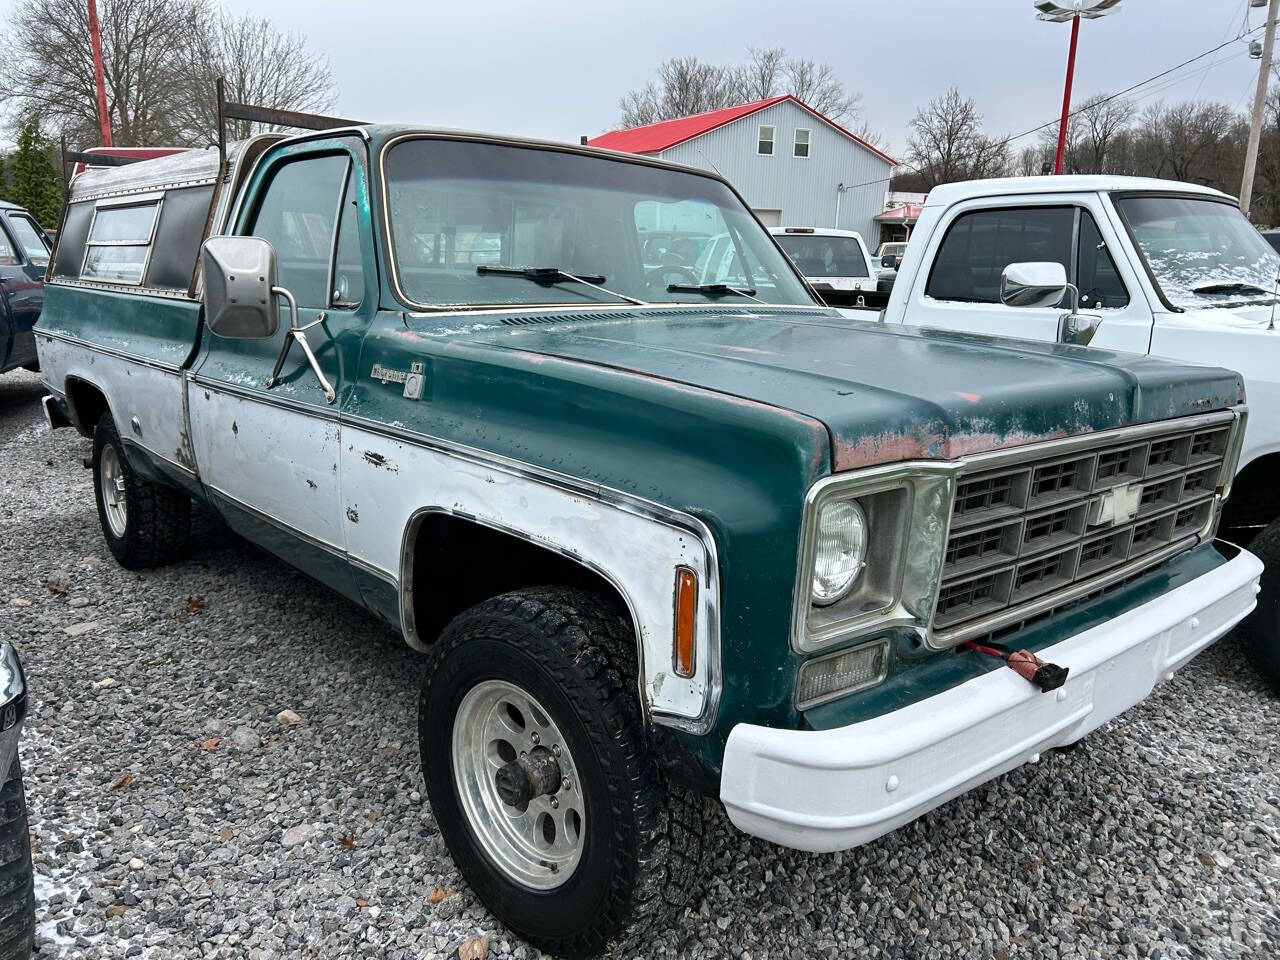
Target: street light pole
1066, 96
95, 44
1060, 12
1259, 100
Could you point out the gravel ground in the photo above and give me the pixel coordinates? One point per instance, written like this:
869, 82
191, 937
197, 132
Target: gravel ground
176, 816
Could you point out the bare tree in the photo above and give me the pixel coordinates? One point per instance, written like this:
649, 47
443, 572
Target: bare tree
1092, 131
46, 66
687, 85
947, 143
260, 65
160, 60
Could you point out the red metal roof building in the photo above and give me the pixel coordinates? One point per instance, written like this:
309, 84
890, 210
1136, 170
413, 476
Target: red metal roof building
794, 166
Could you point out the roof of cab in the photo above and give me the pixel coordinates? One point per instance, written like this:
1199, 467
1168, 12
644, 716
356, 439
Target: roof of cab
949, 193
6, 205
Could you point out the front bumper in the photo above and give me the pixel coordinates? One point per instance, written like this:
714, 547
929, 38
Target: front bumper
13, 706
834, 789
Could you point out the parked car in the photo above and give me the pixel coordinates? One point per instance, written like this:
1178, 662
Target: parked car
891, 253
17, 895
1273, 238
664, 534
1156, 267
24, 255
835, 262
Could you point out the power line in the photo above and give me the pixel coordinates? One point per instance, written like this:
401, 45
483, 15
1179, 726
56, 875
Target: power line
1141, 83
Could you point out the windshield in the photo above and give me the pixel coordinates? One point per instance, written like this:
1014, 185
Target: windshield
30, 238
1202, 252
818, 256
636, 230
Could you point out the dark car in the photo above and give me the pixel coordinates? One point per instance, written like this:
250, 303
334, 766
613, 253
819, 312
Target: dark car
24, 256
17, 896
1272, 237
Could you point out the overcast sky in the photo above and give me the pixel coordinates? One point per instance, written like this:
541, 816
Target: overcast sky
556, 69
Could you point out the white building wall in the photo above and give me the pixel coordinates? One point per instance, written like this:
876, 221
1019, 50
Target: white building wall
803, 189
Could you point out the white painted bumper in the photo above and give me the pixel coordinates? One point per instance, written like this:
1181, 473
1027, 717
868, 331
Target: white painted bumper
834, 789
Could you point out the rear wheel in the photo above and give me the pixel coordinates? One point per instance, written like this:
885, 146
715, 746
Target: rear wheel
536, 763
1261, 632
145, 524
17, 897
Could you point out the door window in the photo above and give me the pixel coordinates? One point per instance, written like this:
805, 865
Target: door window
31, 238
348, 267
8, 252
297, 217
979, 245
1096, 276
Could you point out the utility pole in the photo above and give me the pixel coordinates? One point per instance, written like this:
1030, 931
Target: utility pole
1259, 101
95, 44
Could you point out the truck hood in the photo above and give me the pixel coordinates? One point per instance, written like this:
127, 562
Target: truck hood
885, 394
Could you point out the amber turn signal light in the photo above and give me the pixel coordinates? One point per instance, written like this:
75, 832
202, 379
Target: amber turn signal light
686, 604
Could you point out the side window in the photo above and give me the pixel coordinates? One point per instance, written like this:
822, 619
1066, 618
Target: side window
68, 254
1096, 276
979, 245
183, 217
30, 237
120, 242
348, 267
297, 216
764, 143
8, 252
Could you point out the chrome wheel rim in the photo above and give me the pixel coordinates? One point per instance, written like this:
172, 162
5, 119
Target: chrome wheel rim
538, 846
111, 479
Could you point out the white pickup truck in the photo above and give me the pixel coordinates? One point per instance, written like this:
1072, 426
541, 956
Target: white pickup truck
1119, 264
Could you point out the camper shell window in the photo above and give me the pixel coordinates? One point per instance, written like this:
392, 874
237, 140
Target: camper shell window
119, 242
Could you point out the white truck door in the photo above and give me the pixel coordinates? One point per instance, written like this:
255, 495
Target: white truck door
957, 286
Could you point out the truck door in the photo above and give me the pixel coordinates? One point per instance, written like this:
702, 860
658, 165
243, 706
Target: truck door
269, 454
958, 284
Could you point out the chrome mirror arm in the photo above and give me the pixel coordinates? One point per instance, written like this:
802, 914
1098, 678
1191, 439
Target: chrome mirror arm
298, 333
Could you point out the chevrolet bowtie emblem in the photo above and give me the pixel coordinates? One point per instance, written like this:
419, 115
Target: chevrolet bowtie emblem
1118, 505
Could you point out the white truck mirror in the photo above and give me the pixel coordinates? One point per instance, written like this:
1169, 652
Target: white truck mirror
239, 285
1039, 283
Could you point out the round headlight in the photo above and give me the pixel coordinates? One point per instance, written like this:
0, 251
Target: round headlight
840, 551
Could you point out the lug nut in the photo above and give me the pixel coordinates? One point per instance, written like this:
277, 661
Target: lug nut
566, 785
534, 736
555, 804
555, 749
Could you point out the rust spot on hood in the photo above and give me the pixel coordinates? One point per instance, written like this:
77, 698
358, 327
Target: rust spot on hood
941, 444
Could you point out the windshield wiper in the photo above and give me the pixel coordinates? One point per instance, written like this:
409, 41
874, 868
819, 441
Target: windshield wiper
713, 290
547, 276
1228, 288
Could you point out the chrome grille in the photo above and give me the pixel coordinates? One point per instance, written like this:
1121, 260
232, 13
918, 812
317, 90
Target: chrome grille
1026, 532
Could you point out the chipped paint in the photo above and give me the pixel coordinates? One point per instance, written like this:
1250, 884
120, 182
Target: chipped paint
376, 459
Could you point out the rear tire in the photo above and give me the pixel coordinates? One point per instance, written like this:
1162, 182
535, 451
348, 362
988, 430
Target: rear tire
567, 657
17, 895
145, 524
1261, 631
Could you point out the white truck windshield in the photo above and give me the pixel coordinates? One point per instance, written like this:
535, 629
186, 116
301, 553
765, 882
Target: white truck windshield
1202, 252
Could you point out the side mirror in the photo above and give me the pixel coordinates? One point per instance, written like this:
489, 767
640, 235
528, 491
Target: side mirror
889, 261
1038, 283
239, 276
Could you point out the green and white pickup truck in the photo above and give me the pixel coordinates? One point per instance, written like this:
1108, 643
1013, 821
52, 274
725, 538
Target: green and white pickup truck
663, 537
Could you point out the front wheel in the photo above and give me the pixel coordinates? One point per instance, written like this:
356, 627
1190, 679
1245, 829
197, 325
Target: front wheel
1261, 631
541, 782
17, 897
146, 524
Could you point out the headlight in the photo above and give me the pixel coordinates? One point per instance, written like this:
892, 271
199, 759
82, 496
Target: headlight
840, 552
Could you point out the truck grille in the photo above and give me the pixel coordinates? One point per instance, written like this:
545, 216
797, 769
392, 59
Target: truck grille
1024, 534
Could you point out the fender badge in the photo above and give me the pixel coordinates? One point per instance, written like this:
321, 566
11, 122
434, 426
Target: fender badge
1117, 506
387, 375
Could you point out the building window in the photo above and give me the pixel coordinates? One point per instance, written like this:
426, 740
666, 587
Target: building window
801, 146
764, 144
